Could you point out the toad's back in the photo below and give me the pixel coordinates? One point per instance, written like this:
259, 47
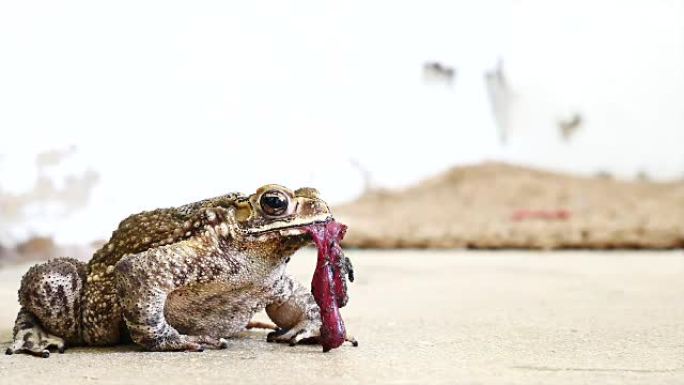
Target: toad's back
149, 229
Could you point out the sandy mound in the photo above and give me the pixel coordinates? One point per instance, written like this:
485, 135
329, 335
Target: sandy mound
500, 206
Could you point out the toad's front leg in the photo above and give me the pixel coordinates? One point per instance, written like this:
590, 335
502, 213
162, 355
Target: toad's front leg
296, 313
143, 283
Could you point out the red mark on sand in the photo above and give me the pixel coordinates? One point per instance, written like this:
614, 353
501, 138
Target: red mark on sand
548, 215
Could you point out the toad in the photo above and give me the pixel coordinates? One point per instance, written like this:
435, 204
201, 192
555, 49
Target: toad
182, 278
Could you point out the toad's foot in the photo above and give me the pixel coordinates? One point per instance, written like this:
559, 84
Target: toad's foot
303, 332
302, 337
30, 338
190, 344
352, 341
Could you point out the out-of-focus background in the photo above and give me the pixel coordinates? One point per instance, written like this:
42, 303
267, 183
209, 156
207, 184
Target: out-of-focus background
434, 126
107, 109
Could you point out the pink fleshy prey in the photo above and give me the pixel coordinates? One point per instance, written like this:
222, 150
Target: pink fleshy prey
328, 284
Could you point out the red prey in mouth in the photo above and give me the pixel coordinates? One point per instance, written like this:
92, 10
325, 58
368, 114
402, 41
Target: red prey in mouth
328, 285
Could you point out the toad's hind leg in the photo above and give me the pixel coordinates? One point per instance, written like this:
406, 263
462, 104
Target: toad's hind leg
31, 338
50, 315
143, 288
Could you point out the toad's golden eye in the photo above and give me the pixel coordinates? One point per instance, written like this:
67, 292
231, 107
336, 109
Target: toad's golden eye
274, 203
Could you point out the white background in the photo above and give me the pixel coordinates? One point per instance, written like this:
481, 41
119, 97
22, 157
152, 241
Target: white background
170, 102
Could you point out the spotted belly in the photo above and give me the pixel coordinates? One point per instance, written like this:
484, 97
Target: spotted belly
213, 309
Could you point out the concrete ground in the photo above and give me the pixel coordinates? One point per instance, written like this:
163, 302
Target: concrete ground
435, 317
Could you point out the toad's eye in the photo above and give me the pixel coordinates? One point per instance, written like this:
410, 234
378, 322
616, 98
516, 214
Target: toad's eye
274, 203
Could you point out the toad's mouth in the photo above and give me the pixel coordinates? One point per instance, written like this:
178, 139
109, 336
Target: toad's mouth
287, 228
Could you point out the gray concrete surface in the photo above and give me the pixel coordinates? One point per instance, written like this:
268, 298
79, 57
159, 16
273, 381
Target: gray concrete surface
435, 317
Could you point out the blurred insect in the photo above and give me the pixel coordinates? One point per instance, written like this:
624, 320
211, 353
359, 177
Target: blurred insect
569, 126
436, 72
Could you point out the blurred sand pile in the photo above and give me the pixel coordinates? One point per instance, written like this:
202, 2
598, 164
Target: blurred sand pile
52, 194
38, 248
496, 205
